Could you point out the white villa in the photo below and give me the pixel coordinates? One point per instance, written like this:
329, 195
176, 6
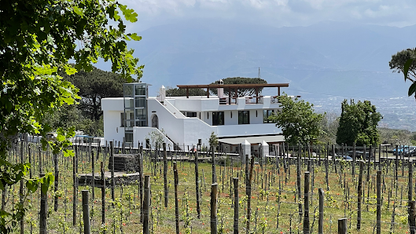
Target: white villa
188, 120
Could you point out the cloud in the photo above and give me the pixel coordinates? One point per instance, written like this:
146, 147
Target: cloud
275, 12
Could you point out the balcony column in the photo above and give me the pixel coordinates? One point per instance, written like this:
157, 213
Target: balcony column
257, 95
278, 91
229, 96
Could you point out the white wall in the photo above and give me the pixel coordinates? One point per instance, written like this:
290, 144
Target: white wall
112, 104
227, 117
254, 119
112, 129
247, 129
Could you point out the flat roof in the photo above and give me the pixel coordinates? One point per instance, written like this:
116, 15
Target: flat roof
253, 139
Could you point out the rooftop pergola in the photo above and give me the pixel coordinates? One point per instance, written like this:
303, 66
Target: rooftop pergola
234, 87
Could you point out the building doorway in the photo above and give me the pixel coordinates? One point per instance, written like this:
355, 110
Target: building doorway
155, 121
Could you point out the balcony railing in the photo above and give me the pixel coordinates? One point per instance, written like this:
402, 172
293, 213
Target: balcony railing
254, 100
227, 101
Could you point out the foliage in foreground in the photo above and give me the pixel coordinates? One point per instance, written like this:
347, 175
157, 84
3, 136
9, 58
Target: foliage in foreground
39, 37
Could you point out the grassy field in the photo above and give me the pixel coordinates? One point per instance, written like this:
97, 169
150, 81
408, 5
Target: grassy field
274, 200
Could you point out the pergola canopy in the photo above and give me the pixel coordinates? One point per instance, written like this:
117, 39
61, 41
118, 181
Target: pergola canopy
232, 87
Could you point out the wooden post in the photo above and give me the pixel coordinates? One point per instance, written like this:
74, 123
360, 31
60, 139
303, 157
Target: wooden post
410, 183
146, 205
75, 187
306, 204
214, 176
326, 167
354, 160
102, 194
411, 203
360, 194
321, 211
176, 179
22, 161
198, 195
378, 231
113, 183
214, 188
141, 182
92, 174
165, 174
396, 163
86, 212
55, 160
342, 226
412, 210
236, 204
298, 183
249, 195
43, 210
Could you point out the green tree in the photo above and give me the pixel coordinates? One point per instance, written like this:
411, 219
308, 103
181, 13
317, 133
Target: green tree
241, 92
329, 126
38, 38
298, 120
94, 86
405, 62
358, 123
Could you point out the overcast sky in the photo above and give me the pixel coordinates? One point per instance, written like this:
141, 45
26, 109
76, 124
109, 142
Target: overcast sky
276, 12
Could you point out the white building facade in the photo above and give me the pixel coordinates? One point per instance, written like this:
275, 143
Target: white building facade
188, 120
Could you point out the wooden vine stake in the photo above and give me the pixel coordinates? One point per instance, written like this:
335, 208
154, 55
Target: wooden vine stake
22, 160
198, 195
378, 229
321, 211
146, 205
102, 194
214, 189
236, 204
360, 194
306, 204
165, 174
250, 178
342, 226
86, 212
43, 210
75, 187
55, 160
176, 179
412, 211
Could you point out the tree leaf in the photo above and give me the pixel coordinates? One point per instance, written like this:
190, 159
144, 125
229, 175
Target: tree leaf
412, 89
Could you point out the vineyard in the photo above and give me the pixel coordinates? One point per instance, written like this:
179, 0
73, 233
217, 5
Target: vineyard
181, 192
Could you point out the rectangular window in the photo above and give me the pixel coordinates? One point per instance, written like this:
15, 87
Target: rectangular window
218, 118
129, 137
244, 117
122, 119
140, 101
266, 115
140, 90
140, 113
